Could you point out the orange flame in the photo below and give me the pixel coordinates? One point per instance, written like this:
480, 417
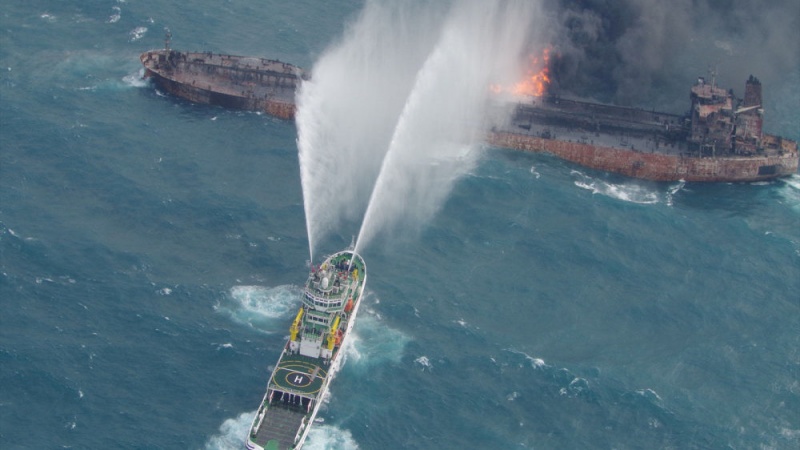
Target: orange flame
535, 83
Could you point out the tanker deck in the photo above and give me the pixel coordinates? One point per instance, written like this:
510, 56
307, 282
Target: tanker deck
238, 82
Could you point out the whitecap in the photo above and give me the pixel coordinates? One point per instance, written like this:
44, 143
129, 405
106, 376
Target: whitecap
649, 394
536, 363
578, 385
137, 33
114, 18
424, 362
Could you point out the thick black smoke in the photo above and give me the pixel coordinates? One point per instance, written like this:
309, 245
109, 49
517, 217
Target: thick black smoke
648, 52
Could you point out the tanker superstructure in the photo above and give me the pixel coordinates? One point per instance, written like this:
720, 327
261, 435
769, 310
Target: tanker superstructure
721, 138
331, 298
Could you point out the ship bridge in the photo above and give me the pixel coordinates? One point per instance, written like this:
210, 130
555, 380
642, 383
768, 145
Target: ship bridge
331, 285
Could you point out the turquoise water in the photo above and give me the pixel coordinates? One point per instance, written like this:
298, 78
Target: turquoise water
152, 250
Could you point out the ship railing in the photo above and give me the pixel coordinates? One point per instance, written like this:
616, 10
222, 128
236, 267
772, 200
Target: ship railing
323, 302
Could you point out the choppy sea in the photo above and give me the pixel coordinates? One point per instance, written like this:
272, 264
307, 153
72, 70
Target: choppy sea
151, 253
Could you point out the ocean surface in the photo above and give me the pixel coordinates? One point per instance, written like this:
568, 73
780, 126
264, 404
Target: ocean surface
152, 252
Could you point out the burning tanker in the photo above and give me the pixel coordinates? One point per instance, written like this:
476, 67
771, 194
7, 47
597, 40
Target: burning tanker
720, 139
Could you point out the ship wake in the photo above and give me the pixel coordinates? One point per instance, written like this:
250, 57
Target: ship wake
263, 308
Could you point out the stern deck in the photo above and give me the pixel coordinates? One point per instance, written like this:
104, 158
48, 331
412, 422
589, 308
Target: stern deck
280, 424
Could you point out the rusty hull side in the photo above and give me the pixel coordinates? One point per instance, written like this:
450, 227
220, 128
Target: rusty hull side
195, 94
654, 166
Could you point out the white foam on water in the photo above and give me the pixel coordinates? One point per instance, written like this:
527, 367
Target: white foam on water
263, 308
577, 385
137, 33
136, 79
536, 363
232, 433
632, 191
114, 18
329, 437
673, 190
372, 343
792, 181
424, 362
649, 394
790, 191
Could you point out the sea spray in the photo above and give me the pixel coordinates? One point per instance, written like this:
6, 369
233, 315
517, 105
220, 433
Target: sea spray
403, 95
436, 137
348, 110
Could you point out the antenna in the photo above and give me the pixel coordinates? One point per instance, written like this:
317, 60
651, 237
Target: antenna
713, 73
167, 38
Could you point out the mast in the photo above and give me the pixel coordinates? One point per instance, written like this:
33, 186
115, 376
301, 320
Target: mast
167, 38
